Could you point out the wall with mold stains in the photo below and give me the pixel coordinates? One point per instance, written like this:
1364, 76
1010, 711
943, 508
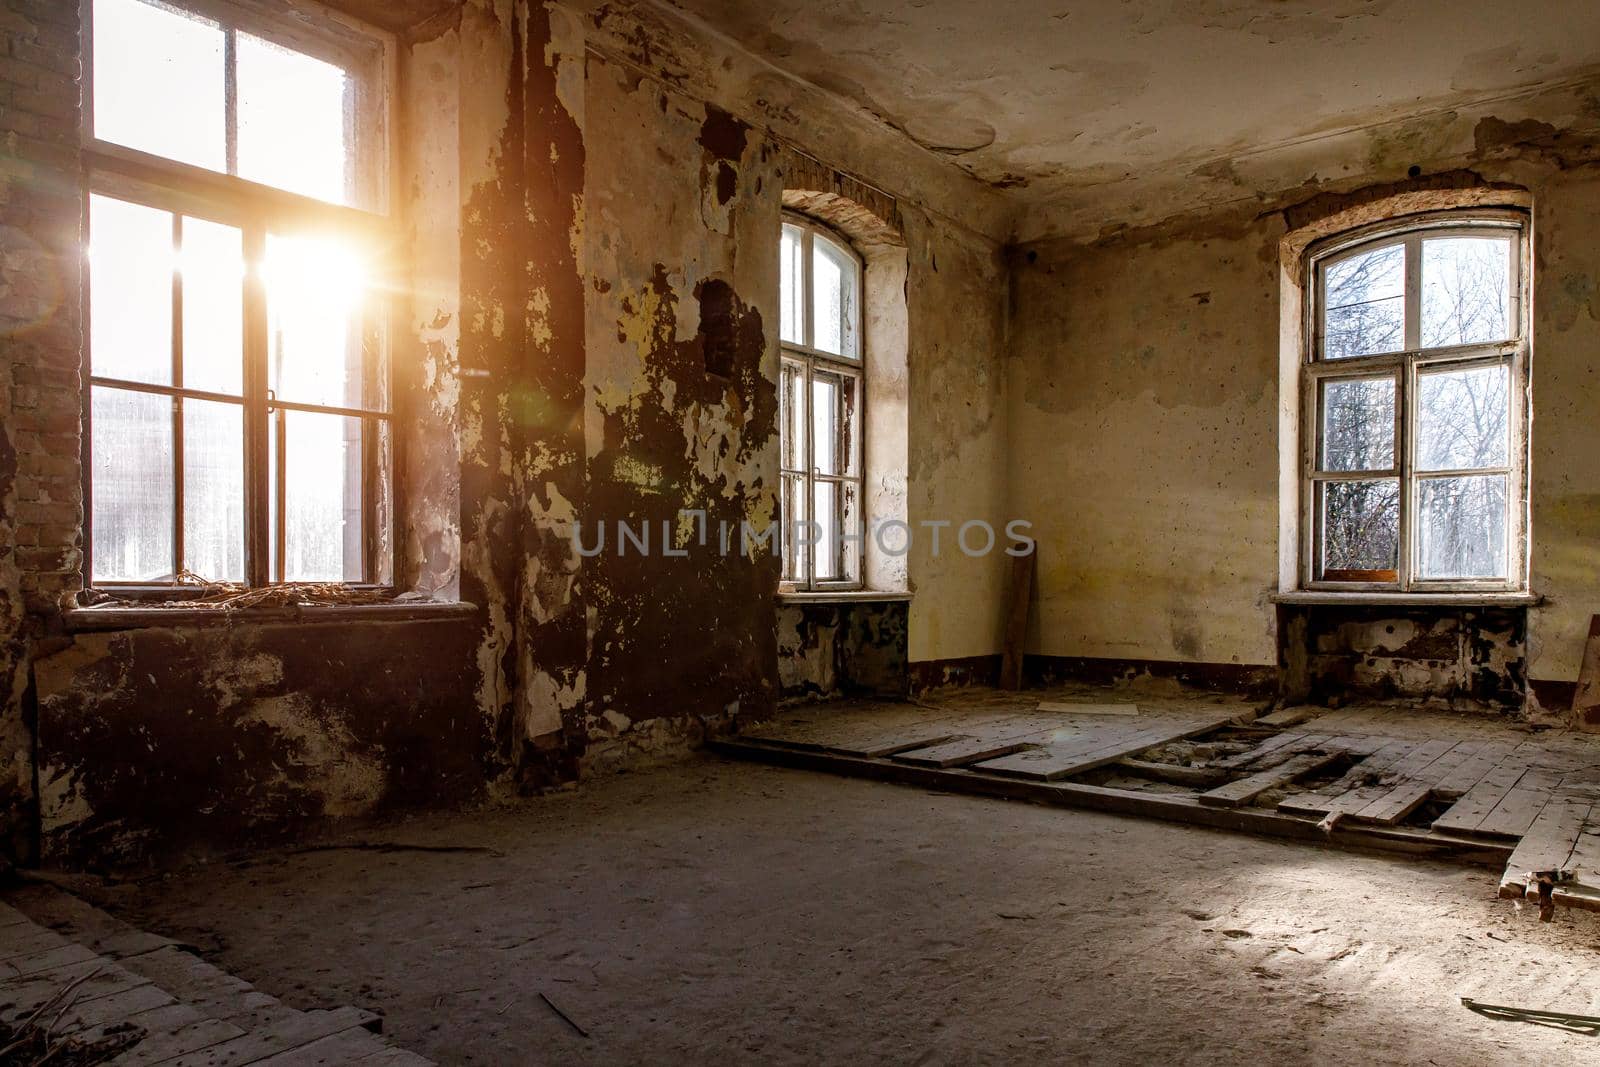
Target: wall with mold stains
1145, 412
589, 209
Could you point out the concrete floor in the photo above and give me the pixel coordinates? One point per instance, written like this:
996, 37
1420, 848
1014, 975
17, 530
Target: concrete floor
743, 914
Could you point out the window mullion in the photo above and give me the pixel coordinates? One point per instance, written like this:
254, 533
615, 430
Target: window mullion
808, 483
1413, 301
178, 553
256, 465
1405, 441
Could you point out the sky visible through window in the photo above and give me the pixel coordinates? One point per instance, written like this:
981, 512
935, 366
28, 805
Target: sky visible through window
160, 77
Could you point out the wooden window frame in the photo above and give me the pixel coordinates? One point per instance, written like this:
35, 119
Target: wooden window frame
1403, 367
810, 359
182, 189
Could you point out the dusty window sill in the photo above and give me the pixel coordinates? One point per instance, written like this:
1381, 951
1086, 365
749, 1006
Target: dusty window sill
843, 596
1420, 600
124, 617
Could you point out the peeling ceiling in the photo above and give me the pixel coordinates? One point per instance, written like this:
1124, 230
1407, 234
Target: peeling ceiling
1047, 96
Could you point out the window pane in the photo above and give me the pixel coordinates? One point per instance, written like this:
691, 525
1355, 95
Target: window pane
1358, 425
322, 499
826, 513
1360, 529
130, 291
293, 111
1364, 298
1466, 290
791, 287
158, 82
132, 482
213, 489
794, 513
315, 292
1462, 418
1462, 527
833, 422
212, 263
792, 398
834, 297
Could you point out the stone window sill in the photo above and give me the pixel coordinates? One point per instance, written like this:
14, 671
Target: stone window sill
843, 596
124, 617
1415, 600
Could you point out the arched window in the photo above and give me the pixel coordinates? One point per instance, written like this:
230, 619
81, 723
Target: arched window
1415, 406
823, 407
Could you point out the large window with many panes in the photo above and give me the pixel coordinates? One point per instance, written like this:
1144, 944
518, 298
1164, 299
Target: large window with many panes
237, 419
822, 401
1415, 399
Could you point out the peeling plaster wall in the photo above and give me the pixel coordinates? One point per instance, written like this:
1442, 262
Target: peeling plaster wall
163, 738
1144, 401
835, 650
588, 204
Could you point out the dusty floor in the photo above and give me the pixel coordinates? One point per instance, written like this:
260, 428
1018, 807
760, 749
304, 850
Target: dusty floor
729, 912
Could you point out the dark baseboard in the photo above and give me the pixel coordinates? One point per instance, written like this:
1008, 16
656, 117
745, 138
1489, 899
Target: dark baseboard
1232, 678
963, 670
1553, 696
1236, 679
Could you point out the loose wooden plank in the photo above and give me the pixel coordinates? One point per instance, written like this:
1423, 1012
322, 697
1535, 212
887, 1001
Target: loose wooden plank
1586, 698
1009, 734
1272, 744
1412, 783
1455, 784
1549, 843
1285, 717
1465, 814
1019, 596
1051, 762
1247, 789
1522, 803
1201, 777
1351, 792
962, 750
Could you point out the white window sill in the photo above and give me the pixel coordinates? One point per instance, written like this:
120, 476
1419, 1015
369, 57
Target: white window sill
843, 596
1419, 600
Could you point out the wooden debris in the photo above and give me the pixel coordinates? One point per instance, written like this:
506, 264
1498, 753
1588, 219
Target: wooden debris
1019, 599
1586, 698
1288, 716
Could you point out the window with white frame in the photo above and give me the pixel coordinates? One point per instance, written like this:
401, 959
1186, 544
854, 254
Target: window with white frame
822, 401
237, 416
1415, 400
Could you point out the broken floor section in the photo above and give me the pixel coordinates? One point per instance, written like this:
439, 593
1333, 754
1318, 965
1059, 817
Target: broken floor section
1464, 788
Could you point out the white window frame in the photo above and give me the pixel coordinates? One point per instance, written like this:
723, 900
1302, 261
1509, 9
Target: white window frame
1403, 367
811, 359
170, 185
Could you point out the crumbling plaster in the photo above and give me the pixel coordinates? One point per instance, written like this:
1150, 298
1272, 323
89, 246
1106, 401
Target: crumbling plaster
589, 203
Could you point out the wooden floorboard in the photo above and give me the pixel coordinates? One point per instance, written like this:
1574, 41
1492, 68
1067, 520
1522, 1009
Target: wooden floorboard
1521, 804
1525, 803
1351, 792
1477, 802
1049, 762
1247, 789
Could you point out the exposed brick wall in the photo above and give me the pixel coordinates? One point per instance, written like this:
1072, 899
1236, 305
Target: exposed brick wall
41, 505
